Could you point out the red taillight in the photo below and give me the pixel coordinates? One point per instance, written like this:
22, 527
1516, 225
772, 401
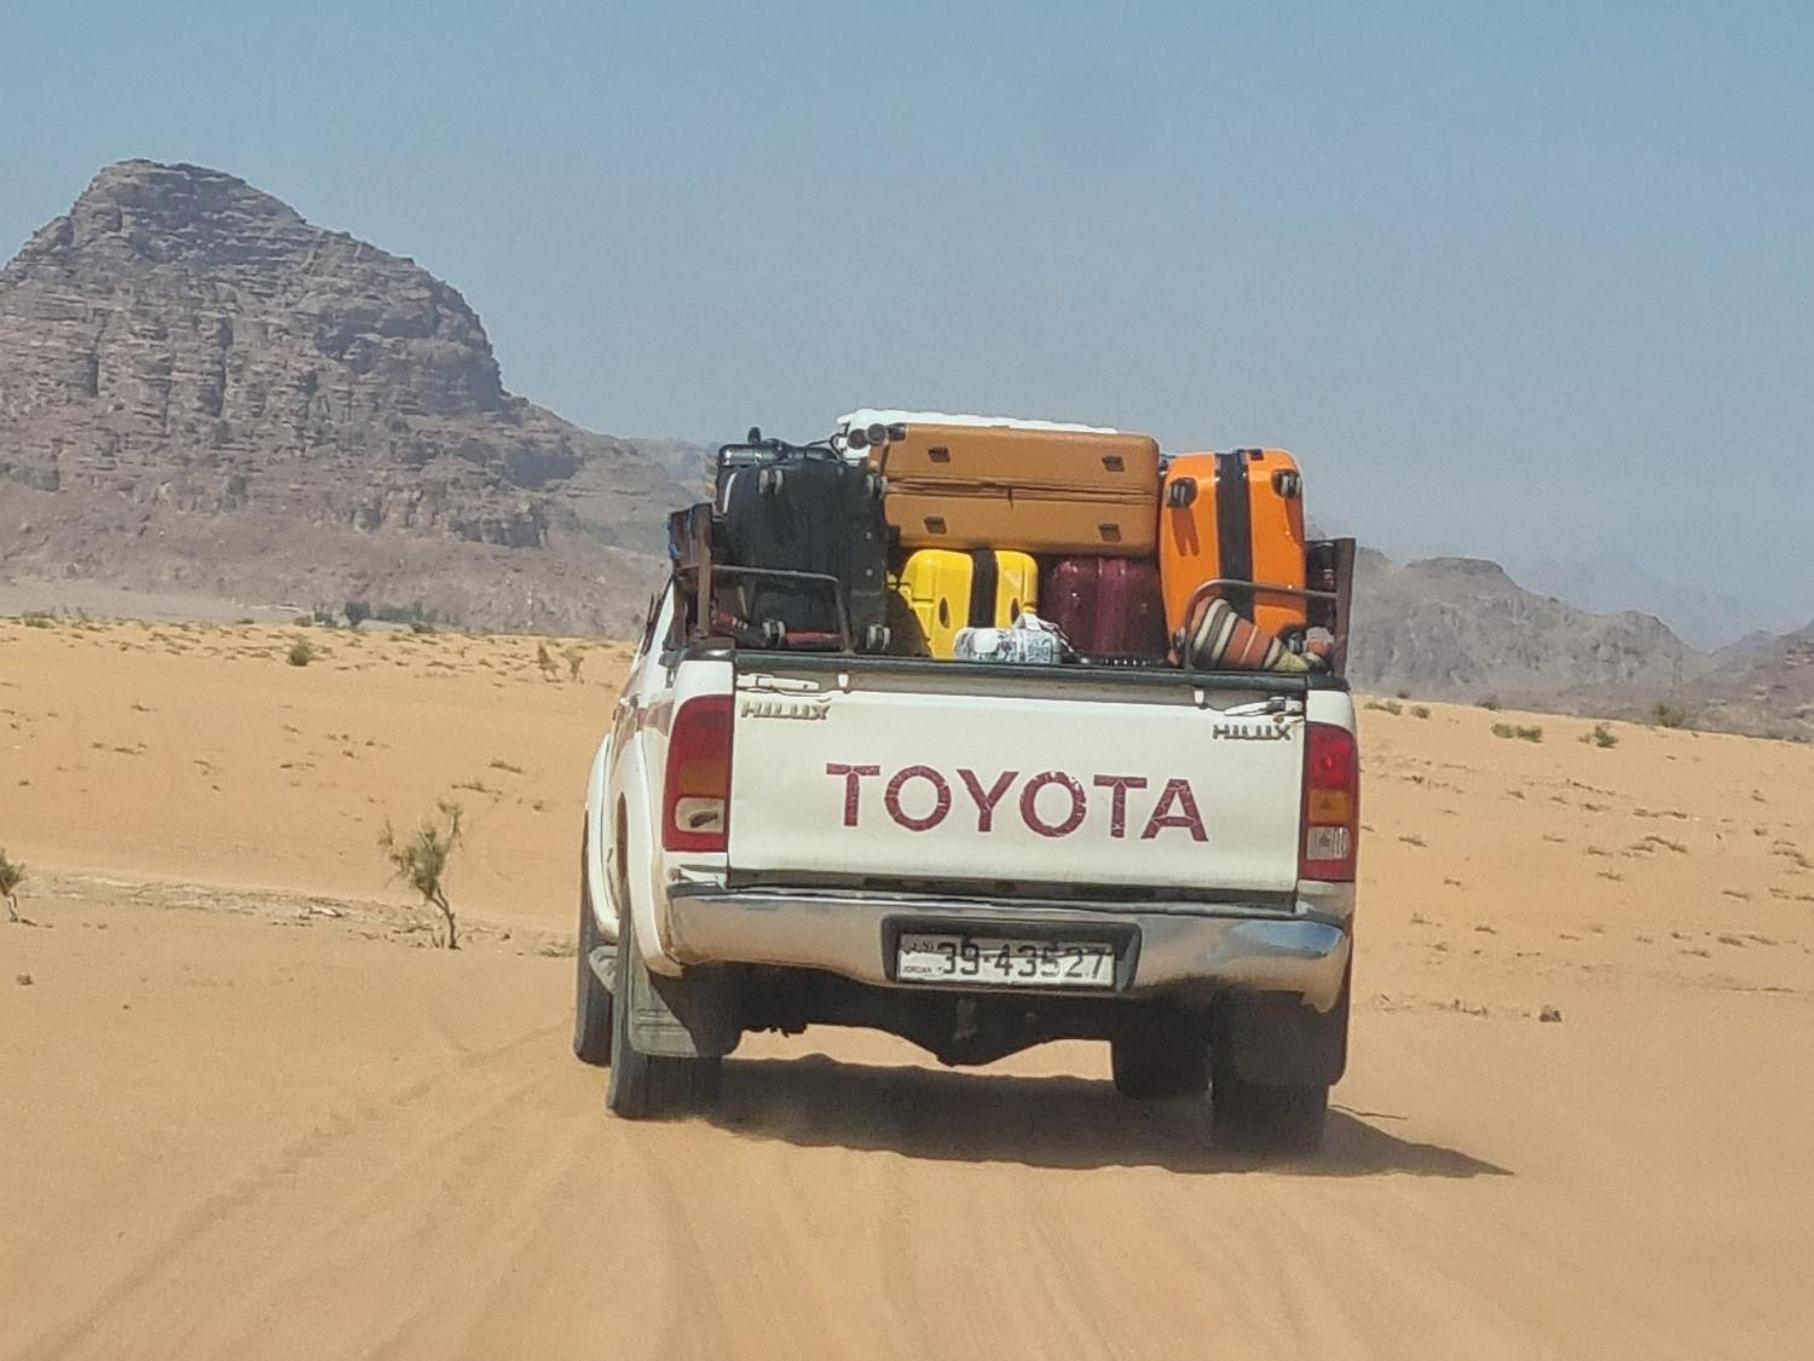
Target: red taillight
696, 796
1331, 804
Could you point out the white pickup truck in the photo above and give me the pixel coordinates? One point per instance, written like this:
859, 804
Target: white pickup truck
978, 858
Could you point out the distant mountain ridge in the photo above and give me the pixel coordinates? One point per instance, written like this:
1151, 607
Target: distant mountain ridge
1462, 629
1765, 691
1606, 582
202, 393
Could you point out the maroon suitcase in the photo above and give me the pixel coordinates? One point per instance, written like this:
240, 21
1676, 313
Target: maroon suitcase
1109, 609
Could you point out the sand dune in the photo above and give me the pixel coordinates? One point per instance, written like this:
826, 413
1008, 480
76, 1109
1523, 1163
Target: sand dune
243, 1117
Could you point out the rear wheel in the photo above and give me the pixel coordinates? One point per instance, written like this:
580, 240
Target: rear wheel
1159, 1067
1250, 1118
592, 999
647, 1086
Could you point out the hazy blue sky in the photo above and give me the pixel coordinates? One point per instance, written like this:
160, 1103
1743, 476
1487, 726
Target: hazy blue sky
1525, 281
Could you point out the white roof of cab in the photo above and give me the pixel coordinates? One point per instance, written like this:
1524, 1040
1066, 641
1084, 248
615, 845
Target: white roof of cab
868, 416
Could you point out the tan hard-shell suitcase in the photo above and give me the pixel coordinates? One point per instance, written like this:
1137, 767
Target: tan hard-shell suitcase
1039, 491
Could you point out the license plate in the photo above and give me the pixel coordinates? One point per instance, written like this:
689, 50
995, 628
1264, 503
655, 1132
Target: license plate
998, 961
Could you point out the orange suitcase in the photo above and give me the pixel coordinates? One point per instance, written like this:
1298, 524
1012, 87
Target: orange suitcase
1237, 517
1062, 492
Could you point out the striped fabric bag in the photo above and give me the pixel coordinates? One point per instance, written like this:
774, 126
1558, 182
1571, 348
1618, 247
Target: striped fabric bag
1215, 638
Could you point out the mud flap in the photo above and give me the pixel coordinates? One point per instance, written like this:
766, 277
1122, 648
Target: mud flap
1275, 1040
695, 1017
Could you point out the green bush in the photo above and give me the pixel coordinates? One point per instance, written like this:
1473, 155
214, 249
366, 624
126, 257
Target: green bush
1519, 731
1667, 715
421, 862
357, 612
301, 652
1420, 711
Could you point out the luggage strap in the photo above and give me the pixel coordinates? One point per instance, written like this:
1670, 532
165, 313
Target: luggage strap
1234, 528
985, 575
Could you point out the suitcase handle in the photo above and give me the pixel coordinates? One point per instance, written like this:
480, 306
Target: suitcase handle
757, 451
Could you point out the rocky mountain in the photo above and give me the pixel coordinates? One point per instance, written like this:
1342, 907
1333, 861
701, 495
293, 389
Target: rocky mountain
1765, 691
1462, 629
688, 464
201, 390
1604, 582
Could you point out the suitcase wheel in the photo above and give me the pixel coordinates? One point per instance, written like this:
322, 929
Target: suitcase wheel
1181, 493
875, 638
768, 481
1288, 484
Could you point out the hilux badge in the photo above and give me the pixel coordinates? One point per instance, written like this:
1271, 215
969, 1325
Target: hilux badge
1249, 732
807, 710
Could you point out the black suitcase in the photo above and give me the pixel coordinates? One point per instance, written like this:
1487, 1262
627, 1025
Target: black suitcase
788, 509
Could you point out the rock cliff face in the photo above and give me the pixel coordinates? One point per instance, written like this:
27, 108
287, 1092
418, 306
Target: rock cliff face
182, 345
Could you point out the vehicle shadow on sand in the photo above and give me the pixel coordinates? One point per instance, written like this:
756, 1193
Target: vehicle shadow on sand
1057, 1122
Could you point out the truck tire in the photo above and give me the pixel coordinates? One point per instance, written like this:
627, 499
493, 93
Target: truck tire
592, 999
1248, 1117
1158, 1067
643, 1086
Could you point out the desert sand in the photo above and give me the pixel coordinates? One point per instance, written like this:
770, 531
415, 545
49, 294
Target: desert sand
246, 1112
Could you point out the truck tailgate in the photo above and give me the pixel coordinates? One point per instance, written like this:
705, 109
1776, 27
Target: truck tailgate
951, 773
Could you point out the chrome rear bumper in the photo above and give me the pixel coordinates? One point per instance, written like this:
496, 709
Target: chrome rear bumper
1179, 945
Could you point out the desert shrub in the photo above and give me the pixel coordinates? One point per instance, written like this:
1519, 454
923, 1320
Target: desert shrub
1490, 702
411, 614
1420, 711
357, 612
1520, 731
545, 660
12, 874
1602, 736
301, 652
1386, 706
575, 659
37, 619
420, 860
1667, 715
